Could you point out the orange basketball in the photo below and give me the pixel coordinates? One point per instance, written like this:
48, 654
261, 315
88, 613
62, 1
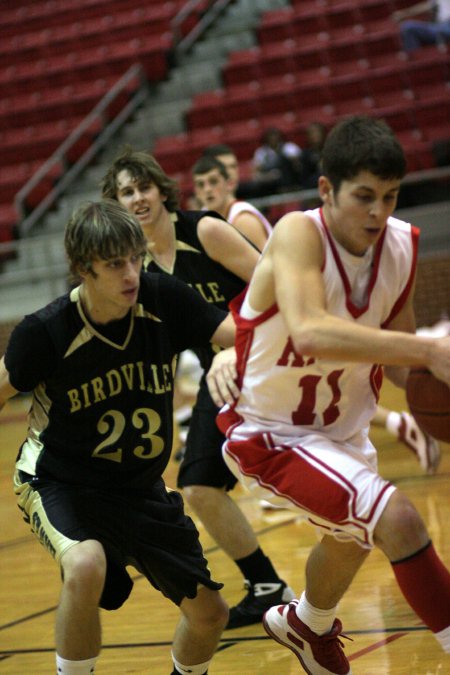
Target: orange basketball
429, 402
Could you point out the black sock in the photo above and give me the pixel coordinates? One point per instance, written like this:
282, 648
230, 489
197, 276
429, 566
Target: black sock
257, 568
176, 672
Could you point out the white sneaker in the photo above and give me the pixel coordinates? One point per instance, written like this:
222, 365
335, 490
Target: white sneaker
426, 448
268, 506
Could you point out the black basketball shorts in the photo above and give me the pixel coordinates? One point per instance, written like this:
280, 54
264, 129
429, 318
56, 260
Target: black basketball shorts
203, 463
148, 531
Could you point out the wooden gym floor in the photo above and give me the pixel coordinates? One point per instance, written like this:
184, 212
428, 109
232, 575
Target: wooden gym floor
387, 638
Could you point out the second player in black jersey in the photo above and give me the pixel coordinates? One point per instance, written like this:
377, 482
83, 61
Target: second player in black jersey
214, 258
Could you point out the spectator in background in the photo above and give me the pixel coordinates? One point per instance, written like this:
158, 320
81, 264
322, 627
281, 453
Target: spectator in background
277, 162
416, 33
311, 155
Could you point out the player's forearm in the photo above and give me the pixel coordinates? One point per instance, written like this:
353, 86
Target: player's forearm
333, 338
6, 389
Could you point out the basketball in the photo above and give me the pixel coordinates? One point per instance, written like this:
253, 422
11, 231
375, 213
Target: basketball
429, 402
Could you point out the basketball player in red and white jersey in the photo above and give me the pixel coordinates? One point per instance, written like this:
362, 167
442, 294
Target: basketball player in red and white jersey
217, 190
214, 190
330, 304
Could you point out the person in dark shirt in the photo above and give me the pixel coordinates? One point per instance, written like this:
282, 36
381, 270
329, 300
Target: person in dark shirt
99, 362
211, 255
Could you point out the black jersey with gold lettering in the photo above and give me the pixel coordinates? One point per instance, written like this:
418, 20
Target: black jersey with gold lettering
192, 264
101, 411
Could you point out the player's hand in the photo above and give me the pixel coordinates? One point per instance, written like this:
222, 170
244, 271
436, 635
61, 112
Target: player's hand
221, 378
440, 359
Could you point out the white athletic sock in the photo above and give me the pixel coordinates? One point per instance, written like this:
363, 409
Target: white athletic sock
320, 621
198, 669
65, 667
443, 637
393, 422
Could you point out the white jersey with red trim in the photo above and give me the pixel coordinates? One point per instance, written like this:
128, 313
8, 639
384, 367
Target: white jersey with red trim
239, 207
288, 395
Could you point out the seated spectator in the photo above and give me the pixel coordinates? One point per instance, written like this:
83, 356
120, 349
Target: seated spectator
277, 164
417, 33
311, 154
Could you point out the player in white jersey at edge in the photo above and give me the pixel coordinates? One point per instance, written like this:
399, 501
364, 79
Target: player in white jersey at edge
216, 189
329, 304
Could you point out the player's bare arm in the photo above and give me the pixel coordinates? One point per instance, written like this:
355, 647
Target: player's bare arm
225, 333
296, 256
6, 389
252, 228
224, 244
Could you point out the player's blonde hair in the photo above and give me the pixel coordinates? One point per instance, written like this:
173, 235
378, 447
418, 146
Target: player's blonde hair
101, 231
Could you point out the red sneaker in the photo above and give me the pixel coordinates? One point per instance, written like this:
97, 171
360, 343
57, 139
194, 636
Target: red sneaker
318, 654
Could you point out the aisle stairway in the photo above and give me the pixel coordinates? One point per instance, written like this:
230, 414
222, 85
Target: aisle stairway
38, 272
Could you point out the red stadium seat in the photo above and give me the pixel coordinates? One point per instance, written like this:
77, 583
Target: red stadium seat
432, 117
8, 220
243, 66
14, 176
207, 109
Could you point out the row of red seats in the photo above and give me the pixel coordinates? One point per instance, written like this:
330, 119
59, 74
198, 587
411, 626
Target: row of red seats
59, 103
332, 57
41, 15
44, 99
284, 24
110, 28
417, 129
338, 19
407, 81
305, 7
81, 67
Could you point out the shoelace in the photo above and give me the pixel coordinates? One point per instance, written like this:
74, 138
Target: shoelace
327, 645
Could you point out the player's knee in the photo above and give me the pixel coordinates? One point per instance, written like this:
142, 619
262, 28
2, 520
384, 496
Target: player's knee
84, 569
219, 612
400, 531
198, 495
207, 612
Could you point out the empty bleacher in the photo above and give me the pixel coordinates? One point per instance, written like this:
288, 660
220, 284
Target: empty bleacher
321, 60
58, 59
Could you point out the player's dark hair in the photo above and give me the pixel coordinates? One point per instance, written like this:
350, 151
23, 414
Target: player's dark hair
217, 150
143, 168
362, 143
101, 231
208, 163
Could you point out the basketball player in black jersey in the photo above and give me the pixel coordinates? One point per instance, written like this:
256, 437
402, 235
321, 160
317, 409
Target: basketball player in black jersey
99, 362
213, 257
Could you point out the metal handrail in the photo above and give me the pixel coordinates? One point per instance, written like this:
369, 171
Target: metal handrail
98, 112
183, 44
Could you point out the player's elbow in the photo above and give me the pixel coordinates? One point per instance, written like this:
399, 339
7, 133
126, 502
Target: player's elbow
305, 341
